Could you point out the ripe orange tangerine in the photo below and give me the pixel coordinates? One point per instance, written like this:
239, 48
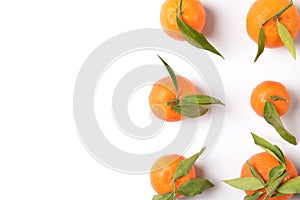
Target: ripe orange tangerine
163, 91
162, 173
193, 13
262, 10
273, 91
263, 163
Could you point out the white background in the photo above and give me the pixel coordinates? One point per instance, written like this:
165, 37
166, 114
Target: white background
42, 47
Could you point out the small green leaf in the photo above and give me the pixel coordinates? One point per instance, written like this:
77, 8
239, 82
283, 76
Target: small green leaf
185, 165
194, 37
254, 196
190, 111
168, 196
255, 173
292, 186
201, 100
286, 135
194, 186
246, 183
261, 43
286, 38
270, 148
275, 173
272, 117
270, 189
171, 73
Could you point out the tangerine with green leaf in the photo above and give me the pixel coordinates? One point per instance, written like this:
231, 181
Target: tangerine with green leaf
163, 91
193, 13
173, 97
163, 171
272, 24
174, 176
184, 20
273, 91
271, 100
263, 163
269, 175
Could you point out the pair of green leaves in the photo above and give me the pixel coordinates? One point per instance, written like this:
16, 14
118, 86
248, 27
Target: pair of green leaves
192, 36
272, 117
283, 33
273, 187
190, 106
190, 188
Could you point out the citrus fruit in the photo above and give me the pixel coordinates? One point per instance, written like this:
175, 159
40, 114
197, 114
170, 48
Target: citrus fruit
163, 91
193, 14
272, 91
261, 11
263, 163
162, 173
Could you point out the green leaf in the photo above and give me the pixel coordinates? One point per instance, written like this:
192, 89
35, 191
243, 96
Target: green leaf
171, 73
272, 117
185, 165
168, 196
254, 196
261, 43
270, 148
286, 135
201, 100
292, 186
255, 173
194, 37
275, 173
194, 186
246, 183
190, 111
286, 38
270, 189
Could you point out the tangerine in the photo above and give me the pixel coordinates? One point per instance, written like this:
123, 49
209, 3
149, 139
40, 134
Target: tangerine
261, 11
272, 91
263, 163
163, 91
162, 173
193, 13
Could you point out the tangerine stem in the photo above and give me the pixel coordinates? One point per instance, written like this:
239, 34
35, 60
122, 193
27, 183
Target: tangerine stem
175, 101
278, 14
180, 7
276, 98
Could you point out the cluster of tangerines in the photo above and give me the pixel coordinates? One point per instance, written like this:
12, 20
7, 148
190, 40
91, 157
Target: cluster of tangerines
267, 175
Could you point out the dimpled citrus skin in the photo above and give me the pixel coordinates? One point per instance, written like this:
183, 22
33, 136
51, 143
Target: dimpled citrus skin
261, 10
263, 163
164, 91
263, 92
162, 173
193, 14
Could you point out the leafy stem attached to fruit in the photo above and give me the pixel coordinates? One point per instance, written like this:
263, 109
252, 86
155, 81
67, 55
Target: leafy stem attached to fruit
191, 106
283, 33
273, 186
191, 35
190, 188
278, 14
